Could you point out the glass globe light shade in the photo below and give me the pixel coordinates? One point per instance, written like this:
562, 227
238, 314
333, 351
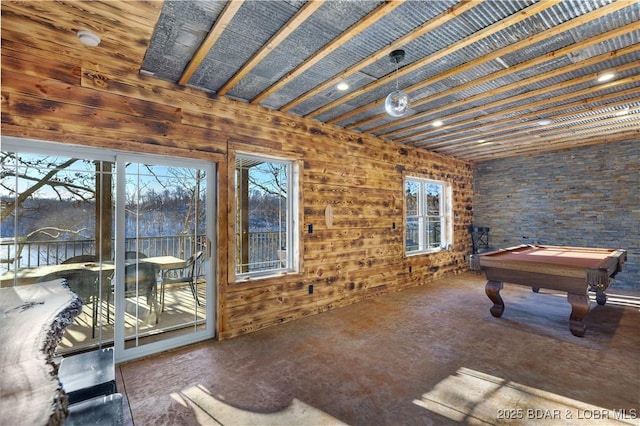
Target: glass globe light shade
396, 103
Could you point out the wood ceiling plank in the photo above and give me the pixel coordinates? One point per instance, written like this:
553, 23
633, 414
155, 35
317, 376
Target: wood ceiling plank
303, 14
56, 90
216, 31
322, 53
110, 20
115, 16
52, 27
115, 20
32, 65
467, 41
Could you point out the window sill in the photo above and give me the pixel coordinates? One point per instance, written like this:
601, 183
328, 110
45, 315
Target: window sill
244, 279
430, 251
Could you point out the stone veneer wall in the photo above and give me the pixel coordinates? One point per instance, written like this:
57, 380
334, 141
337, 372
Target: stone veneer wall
586, 197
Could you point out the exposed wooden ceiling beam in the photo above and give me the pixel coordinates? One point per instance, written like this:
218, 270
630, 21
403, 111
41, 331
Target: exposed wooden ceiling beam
510, 126
442, 18
576, 127
302, 15
467, 41
496, 122
532, 144
38, 33
478, 111
569, 25
563, 143
221, 24
347, 35
505, 89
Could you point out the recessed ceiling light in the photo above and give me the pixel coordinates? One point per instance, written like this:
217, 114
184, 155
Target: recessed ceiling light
481, 140
544, 122
606, 77
502, 62
437, 123
342, 86
88, 38
623, 111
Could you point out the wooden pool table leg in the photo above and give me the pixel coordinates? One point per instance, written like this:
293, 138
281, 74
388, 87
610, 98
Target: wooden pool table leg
493, 292
579, 309
601, 298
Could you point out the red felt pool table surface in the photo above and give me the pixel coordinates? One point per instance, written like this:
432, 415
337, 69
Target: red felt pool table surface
574, 270
567, 256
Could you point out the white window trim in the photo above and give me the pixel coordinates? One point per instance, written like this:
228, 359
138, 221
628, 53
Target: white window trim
445, 208
293, 220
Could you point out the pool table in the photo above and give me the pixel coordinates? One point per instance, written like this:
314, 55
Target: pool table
574, 270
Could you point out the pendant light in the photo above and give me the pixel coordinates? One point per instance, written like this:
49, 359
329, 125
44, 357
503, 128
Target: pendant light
397, 102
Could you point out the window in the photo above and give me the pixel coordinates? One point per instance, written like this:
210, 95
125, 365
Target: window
427, 215
265, 216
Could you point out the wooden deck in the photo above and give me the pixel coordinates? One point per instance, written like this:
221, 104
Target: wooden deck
180, 313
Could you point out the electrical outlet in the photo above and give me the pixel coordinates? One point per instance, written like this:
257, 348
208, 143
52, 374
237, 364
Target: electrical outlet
310, 227
310, 288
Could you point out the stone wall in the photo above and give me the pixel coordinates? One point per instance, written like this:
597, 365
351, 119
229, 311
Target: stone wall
586, 197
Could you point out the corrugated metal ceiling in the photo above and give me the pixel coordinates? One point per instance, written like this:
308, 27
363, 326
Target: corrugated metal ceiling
473, 68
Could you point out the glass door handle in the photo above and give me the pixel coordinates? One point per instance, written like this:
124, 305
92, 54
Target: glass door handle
207, 247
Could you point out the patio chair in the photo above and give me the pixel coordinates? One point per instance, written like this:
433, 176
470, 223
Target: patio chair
82, 258
84, 283
480, 239
134, 255
187, 274
146, 276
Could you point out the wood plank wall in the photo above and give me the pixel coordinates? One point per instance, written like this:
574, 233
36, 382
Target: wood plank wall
94, 101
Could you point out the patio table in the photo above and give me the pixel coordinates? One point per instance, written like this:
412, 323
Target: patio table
32, 275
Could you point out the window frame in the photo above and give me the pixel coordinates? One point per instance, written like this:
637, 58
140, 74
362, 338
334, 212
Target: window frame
446, 231
293, 234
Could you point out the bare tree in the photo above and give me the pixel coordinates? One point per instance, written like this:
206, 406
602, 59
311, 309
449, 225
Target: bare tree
23, 177
9, 172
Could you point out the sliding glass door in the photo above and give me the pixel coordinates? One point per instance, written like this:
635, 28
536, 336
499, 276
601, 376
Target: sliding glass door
130, 234
164, 253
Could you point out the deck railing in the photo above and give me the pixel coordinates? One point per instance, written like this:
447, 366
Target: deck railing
34, 253
265, 250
